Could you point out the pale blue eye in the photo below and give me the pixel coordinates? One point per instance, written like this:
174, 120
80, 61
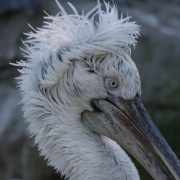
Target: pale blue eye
111, 83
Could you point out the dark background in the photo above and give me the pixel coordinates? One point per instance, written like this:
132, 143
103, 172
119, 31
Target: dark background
157, 56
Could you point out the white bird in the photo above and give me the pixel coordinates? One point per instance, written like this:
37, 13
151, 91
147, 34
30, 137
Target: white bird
80, 90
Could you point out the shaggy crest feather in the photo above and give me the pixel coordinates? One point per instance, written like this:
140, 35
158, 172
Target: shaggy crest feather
74, 36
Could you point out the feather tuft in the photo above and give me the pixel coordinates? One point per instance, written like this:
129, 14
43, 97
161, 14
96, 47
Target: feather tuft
74, 36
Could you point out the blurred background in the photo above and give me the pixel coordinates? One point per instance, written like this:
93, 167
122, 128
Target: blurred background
157, 56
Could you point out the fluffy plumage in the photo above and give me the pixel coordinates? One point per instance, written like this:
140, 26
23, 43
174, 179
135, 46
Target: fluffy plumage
77, 36
67, 61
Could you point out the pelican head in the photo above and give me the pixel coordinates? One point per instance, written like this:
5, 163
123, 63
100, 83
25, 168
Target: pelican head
81, 94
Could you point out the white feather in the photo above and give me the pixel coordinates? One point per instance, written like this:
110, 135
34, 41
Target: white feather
76, 36
53, 108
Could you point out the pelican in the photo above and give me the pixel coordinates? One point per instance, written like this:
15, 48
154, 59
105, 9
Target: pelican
81, 98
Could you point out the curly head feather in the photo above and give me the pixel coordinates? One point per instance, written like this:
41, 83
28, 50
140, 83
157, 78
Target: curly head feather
65, 37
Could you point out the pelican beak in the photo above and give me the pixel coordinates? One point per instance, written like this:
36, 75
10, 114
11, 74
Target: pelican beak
128, 123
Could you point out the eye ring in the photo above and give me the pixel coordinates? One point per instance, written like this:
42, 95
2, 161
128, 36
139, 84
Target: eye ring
111, 83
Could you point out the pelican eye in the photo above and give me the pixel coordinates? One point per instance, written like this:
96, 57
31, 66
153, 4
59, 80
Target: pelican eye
111, 83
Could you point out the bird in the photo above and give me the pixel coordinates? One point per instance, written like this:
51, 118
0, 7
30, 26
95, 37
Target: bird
81, 98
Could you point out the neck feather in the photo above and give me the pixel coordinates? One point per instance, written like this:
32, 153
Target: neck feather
74, 150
